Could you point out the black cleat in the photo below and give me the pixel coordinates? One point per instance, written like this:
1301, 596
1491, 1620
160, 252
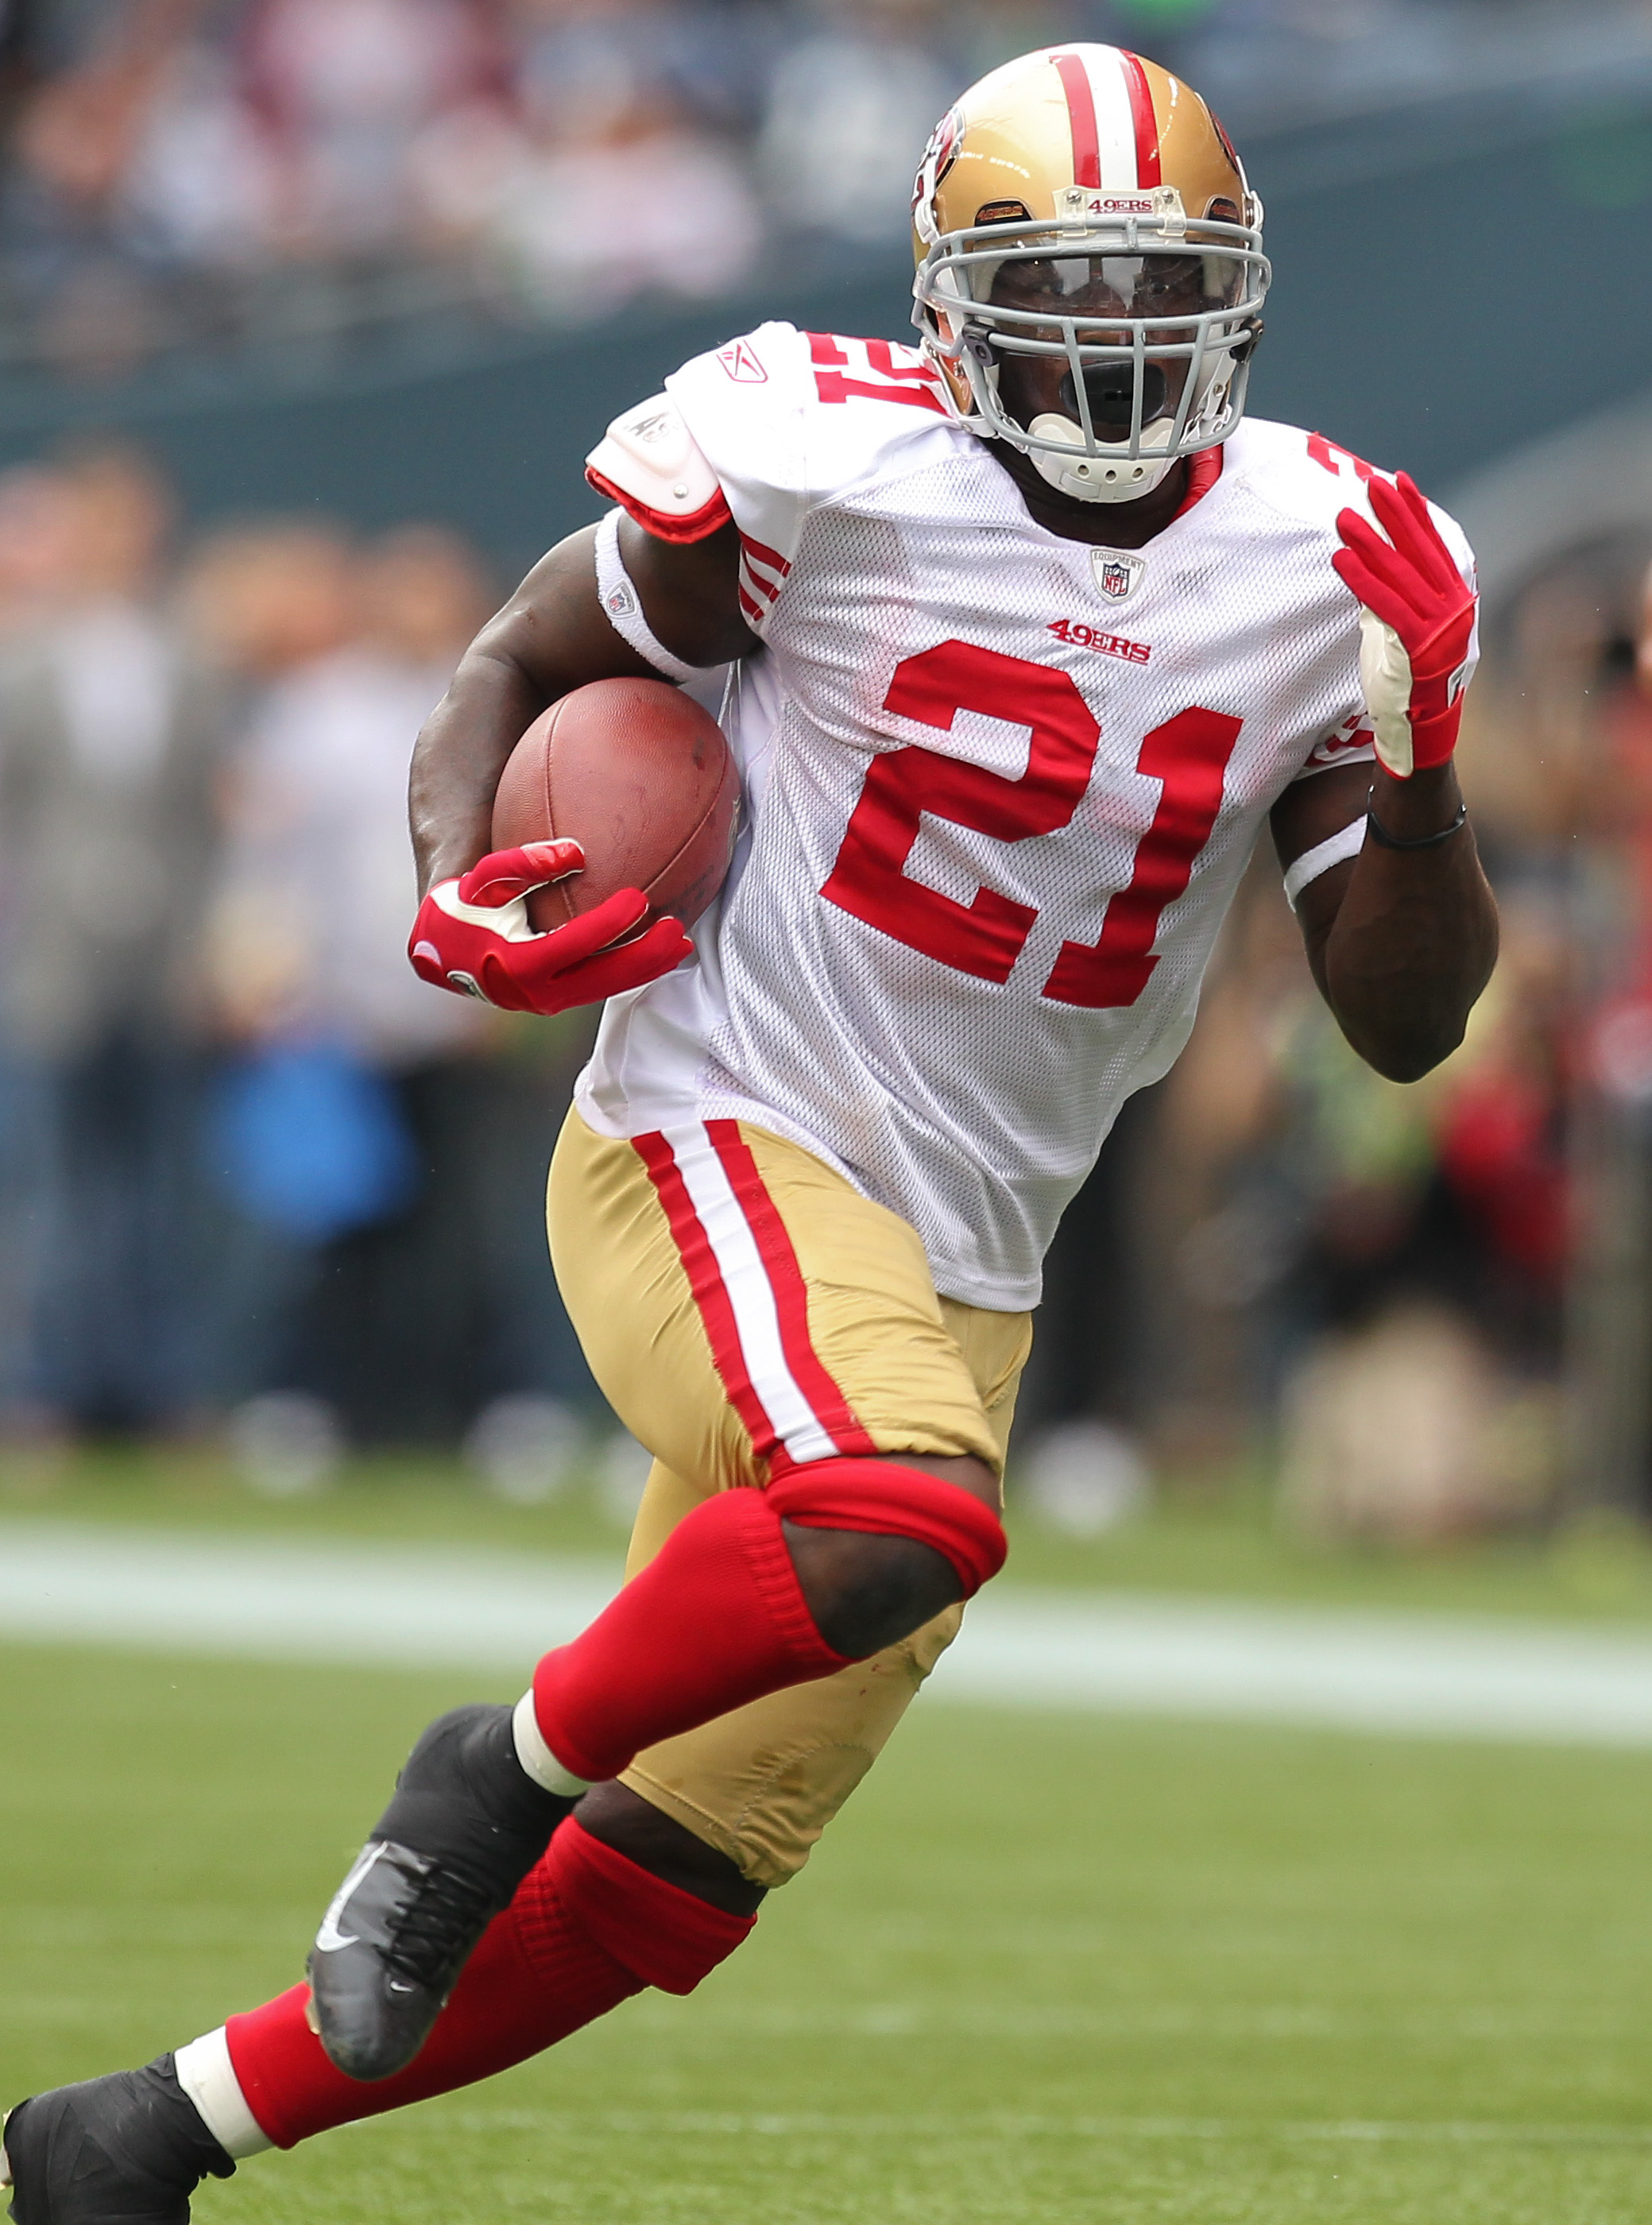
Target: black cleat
129, 2149
465, 1827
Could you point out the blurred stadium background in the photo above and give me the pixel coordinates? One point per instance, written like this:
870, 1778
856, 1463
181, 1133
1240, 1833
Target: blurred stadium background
309, 310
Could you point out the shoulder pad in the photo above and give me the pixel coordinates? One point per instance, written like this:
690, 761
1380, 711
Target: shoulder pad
647, 461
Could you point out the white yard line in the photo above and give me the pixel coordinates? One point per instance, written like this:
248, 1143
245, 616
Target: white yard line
449, 1607
1371, 1671
998, 2126
267, 1598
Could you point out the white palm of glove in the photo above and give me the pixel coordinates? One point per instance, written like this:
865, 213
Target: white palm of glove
509, 921
1385, 682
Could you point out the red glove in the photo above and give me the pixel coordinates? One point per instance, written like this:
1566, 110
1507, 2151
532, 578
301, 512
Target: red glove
1416, 622
472, 935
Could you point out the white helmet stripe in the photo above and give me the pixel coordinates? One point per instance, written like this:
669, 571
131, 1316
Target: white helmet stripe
1145, 122
1096, 82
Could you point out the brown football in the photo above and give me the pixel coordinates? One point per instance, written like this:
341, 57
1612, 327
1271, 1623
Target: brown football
641, 775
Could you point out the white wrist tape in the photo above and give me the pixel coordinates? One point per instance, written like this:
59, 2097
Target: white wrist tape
1347, 842
624, 605
207, 2075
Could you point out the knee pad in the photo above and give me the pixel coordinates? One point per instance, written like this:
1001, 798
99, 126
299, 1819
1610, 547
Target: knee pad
891, 1500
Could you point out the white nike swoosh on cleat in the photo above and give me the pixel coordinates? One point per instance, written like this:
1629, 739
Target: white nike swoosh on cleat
329, 1938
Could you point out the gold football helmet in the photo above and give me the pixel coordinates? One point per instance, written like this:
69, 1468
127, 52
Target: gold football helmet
1090, 267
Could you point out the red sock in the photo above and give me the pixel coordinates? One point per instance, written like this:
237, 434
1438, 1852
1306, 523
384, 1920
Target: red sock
716, 1619
587, 1928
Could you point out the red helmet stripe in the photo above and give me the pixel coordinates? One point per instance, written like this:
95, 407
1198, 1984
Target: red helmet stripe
1147, 123
1081, 114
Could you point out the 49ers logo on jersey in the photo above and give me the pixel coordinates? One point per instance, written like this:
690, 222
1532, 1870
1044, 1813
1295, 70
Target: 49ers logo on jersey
1109, 644
1115, 573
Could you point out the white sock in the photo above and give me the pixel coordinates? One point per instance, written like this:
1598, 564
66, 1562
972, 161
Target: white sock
207, 2075
536, 1757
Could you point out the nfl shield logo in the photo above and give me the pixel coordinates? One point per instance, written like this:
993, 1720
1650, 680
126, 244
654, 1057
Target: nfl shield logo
1115, 573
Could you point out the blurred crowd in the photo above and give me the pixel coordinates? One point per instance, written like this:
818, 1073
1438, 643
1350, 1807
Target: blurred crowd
182, 175
250, 1167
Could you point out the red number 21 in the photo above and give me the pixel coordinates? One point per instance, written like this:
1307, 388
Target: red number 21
1189, 754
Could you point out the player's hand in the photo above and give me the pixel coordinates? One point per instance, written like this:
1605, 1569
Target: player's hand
1416, 620
472, 935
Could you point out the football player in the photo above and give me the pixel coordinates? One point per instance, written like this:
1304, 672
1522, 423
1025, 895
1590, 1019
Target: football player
1028, 634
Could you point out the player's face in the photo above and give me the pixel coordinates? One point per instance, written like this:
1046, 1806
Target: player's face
1149, 288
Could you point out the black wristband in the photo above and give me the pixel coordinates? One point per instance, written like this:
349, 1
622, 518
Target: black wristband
1388, 842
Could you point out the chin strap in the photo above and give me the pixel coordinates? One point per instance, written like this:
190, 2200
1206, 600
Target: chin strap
1089, 478
1095, 478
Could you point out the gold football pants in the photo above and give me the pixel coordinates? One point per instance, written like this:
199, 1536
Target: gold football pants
737, 1301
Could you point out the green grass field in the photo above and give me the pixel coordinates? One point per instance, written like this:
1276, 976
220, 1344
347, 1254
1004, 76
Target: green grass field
1044, 1970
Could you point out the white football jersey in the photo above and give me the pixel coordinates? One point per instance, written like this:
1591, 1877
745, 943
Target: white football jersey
999, 788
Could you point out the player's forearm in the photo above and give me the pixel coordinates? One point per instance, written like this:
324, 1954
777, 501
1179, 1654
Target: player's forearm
550, 637
1415, 935
458, 758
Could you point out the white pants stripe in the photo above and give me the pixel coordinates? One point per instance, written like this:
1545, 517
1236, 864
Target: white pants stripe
745, 1277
